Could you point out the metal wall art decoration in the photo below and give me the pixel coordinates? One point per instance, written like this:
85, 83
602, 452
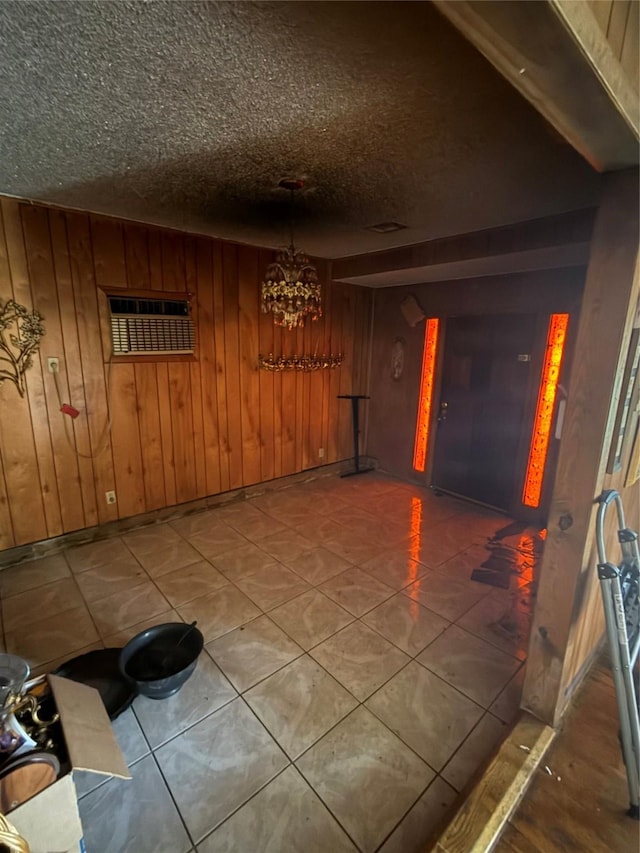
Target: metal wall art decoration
299, 362
20, 333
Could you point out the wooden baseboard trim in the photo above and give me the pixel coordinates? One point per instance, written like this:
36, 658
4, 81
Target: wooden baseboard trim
477, 824
45, 547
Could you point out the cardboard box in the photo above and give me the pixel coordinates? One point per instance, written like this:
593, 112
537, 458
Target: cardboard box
50, 821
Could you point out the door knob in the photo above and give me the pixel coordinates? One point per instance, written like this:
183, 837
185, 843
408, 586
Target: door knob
443, 412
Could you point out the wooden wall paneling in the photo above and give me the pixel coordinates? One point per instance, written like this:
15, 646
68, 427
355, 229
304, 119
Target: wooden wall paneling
309, 335
150, 436
315, 381
297, 337
221, 365
316, 389
93, 371
179, 430
345, 433
249, 341
172, 253
126, 449
108, 252
195, 369
7, 539
96, 380
268, 440
278, 349
356, 372
602, 12
631, 46
277, 425
174, 279
316, 395
589, 628
326, 374
166, 433
182, 430
361, 345
125, 437
232, 360
23, 511
35, 389
78, 429
207, 365
337, 346
306, 416
136, 250
618, 25
288, 384
154, 245
104, 324
21, 475
56, 433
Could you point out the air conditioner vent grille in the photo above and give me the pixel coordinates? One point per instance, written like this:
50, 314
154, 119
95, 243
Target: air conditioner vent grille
146, 326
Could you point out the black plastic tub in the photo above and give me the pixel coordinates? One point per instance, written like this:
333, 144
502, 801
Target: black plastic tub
158, 662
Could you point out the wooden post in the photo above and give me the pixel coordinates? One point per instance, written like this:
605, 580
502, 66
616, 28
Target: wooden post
608, 308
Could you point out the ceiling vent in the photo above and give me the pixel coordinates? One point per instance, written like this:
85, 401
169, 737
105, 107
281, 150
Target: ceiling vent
386, 227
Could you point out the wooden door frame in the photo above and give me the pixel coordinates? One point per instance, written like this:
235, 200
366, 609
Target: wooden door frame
566, 627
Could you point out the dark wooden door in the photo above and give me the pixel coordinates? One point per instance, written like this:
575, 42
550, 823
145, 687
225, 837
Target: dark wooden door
485, 379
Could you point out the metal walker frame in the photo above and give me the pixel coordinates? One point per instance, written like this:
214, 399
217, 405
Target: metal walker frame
620, 587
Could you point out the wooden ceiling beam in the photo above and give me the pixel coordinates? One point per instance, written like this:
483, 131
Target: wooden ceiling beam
553, 241
556, 55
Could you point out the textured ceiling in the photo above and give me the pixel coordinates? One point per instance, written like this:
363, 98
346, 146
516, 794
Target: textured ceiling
187, 114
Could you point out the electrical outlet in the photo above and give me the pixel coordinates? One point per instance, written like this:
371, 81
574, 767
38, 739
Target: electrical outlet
321, 452
111, 497
54, 365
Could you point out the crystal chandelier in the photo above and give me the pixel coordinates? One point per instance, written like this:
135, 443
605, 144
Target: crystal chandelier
291, 290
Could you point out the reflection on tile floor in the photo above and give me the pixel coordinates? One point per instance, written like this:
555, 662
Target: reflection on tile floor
354, 675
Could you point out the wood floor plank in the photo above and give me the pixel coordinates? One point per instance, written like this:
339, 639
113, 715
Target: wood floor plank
583, 810
512, 841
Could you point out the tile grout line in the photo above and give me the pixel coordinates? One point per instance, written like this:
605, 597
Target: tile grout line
170, 792
304, 651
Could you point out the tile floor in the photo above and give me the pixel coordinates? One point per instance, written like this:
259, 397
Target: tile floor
353, 679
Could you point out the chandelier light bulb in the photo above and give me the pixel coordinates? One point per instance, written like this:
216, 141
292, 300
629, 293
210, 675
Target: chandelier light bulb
291, 290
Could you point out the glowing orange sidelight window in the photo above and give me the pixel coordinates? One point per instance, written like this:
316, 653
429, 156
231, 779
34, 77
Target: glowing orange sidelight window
426, 394
544, 410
